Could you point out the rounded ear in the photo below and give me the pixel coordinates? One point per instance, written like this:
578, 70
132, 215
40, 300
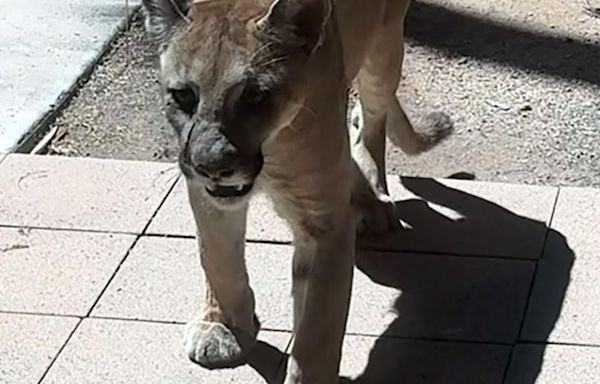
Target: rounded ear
306, 18
162, 15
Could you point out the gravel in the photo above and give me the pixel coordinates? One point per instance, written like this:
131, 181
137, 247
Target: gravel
117, 113
525, 100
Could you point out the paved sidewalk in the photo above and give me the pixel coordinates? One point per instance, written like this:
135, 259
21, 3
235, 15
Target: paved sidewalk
493, 283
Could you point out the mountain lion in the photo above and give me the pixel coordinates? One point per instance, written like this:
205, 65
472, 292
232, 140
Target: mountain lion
257, 91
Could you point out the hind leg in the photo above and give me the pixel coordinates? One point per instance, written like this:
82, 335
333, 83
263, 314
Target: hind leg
377, 84
373, 208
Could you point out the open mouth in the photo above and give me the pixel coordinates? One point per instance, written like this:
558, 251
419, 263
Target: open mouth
229, 190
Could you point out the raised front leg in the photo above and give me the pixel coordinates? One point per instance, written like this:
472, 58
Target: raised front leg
322, 283
225, 332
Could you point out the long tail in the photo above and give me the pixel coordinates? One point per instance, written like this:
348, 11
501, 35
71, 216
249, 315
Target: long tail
426, 134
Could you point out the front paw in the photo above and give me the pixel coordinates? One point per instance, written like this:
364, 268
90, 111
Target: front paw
216, 346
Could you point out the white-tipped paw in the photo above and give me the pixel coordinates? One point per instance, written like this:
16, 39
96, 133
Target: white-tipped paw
215, 346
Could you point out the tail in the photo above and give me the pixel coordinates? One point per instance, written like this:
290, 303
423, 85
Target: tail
430, 130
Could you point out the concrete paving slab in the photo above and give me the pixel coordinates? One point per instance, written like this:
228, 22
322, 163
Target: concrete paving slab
392, 361
440, 297
551, 364
57, 43
29, 343
469, 218
107, 351
162, 280
566, 286
175, 218
67, 193
56, 272
465, 217
481, 299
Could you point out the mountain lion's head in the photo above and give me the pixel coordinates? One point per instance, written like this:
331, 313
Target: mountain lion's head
232, 73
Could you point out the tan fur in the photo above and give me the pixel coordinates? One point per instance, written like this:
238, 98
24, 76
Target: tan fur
324, 181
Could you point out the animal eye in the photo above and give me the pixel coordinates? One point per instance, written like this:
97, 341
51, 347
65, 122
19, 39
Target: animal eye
252, 96
186, 99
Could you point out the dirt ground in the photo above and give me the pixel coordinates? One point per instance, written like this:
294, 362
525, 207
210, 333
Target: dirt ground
525, 97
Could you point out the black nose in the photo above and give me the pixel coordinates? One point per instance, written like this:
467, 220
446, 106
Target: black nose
213, 156
214, 171
215, 166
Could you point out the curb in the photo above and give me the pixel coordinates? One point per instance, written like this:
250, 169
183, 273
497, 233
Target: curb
40, 128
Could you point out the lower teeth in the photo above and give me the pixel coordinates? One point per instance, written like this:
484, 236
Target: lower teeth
227, 191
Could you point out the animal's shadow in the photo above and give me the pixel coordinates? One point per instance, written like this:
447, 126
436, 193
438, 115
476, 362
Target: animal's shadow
426, 310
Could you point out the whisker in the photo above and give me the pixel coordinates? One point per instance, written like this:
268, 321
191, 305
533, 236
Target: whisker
262, 48
179, 12
271, 62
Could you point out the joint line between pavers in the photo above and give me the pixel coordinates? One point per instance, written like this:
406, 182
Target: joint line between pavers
282, 366
508, 364
363, 249
535, 269
554, 206
191, 237
112, 277
80, 230
60, 351
531, 286
136, 320
447, 254
170, 236
167, 322
133, 244
269, 242
559, 344
160, 205
42, 314
431, 339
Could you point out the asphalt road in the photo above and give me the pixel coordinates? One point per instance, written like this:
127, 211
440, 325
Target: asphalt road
522, 83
